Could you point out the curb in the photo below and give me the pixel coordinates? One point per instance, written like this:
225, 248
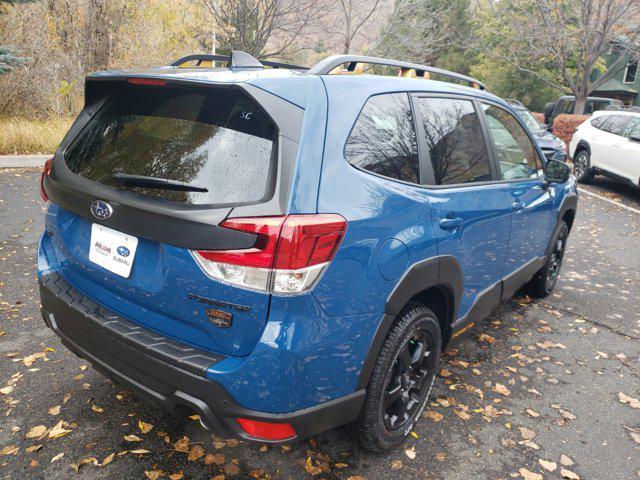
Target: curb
23, 161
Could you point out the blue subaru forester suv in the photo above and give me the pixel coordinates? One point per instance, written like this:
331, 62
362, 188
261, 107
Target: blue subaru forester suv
286, 250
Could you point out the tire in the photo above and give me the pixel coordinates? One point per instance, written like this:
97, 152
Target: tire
544, 281
582, 166
415, 331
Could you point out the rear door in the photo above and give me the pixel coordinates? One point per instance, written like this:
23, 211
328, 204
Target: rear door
532, 222
610, 153
219, 149
631, 151
471, 212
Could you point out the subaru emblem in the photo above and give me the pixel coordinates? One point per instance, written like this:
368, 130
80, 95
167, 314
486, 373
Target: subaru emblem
101, 210
123, 251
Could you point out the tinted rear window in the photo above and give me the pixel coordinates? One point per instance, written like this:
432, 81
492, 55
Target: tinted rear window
219, 139
616, 124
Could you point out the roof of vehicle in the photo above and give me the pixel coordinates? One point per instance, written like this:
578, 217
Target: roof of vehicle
601, 113
605, 99
291, 82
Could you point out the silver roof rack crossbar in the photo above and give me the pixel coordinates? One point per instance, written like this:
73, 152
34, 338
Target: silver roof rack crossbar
330, 64
237, 59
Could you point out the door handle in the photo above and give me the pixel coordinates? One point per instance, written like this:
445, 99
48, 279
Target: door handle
517, 206
450, 223
616, 145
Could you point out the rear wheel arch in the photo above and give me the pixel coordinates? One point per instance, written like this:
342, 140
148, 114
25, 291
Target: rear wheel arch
582, 145
568, 217
567, 211
439, 299
435, 283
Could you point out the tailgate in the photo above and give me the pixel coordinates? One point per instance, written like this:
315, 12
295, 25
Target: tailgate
220, 151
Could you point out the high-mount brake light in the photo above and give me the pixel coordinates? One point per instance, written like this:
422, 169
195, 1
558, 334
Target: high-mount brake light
289, 256
146, 81
45, 173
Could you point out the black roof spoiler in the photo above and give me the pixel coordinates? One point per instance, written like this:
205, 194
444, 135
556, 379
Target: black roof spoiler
237, 59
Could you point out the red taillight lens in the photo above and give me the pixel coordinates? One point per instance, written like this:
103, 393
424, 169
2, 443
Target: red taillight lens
289, 256
267, 431
45, 172
146, 81
308, 240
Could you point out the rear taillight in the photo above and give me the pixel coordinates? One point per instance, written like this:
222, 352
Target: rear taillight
289, 256
45, 173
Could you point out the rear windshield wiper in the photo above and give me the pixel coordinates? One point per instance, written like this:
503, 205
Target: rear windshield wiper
128, 180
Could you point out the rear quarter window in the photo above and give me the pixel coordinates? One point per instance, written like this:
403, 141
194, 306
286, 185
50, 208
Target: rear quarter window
219, 139
383, 139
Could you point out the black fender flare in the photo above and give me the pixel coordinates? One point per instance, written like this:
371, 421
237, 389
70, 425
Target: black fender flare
569, 202
441, 271
583, 144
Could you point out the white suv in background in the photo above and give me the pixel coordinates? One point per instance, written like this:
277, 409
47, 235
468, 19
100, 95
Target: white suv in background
607, 143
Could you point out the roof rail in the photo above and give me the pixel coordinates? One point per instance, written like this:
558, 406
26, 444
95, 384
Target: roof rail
407, 69
237, 59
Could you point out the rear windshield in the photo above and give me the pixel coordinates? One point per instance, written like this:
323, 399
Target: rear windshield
218, 139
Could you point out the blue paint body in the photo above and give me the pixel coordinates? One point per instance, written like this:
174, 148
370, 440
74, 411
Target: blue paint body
289, 353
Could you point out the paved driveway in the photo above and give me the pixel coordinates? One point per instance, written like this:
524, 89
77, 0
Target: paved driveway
551, 381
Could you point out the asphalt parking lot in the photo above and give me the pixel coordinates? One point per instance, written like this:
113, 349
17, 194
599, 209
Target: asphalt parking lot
541, 389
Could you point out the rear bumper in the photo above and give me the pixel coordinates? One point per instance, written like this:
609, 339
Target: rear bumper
165, 371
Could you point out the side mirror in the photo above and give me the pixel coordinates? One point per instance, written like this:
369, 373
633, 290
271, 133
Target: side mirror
544, 126
634, 138
556, 171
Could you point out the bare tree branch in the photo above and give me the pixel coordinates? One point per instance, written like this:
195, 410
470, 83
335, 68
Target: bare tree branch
573, 35
264, 28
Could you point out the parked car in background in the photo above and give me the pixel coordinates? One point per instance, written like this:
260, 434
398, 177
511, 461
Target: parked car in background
552, 146
566, 103
608, 143
286, 250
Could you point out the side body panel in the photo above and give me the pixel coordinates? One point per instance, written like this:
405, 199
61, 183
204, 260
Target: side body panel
481, 241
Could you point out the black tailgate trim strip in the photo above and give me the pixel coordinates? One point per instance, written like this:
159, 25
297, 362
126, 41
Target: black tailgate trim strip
160, 221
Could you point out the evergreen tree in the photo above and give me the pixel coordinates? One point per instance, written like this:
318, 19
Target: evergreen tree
8, 57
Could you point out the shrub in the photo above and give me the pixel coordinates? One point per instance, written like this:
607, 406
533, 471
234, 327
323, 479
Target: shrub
564, 126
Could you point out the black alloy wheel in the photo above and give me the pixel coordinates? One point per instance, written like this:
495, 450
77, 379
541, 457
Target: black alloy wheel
401, 380
555, 259
544, 281
409, 381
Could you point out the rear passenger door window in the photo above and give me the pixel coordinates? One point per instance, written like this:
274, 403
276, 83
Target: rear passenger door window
516, 155
453, 139
599, 122
616, 124
383, 139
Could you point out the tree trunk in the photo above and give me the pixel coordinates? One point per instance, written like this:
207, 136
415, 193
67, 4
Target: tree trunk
581, 101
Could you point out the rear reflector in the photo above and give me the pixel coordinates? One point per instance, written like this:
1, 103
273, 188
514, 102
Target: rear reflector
267, 431
45, 173
146, 81
289, 256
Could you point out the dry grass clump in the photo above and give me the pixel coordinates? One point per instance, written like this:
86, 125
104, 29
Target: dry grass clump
20, 136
